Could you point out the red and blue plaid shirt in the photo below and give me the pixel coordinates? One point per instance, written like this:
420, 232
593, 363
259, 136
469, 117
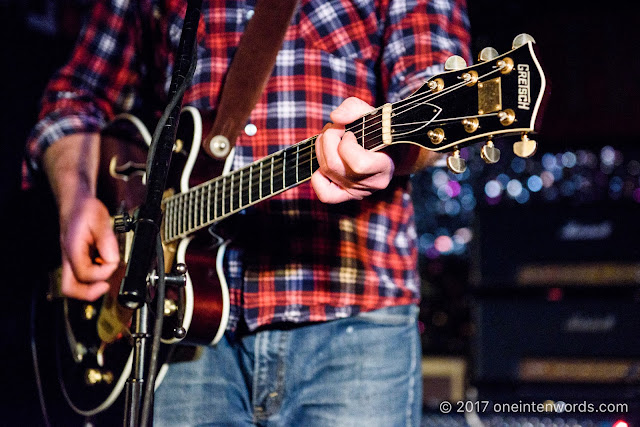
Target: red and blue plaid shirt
298, 260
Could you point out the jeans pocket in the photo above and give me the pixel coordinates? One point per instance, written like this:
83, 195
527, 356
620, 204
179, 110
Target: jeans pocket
392, 316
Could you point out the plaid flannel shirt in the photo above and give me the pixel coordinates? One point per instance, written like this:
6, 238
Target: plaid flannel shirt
297, 259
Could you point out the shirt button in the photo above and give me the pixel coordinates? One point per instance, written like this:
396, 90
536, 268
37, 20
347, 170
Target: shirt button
249, 14
250, 129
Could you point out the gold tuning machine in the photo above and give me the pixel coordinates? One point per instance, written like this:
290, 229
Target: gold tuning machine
525, 147
490, 153
455, 163
487, 54
522, 39
455, 62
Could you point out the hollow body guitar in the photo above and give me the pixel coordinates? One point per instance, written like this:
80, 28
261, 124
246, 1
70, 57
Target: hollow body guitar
500, 96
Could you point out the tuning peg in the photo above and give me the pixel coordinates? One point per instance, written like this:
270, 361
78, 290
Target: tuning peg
525, 147
522, 39
487, 54
490, 153
455, 62
455, 163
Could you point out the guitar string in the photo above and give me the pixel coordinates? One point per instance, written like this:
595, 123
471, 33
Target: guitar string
357, 128
181, 226
278, 166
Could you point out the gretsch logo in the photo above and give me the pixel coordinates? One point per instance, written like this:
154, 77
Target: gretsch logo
524, 92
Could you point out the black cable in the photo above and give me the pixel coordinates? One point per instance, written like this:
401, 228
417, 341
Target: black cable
155, 343
147, 398
34, 357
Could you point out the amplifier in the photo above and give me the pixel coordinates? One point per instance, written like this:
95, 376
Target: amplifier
535, 245
574, 340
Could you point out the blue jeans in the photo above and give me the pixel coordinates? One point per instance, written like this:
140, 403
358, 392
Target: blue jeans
359, 371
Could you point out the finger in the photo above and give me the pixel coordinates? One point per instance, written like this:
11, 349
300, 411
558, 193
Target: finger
361, 163
331, 165
87, 266
327, 190
106, 244
72, 288
350, 109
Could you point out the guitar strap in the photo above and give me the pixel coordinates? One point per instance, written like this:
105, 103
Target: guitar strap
248, 73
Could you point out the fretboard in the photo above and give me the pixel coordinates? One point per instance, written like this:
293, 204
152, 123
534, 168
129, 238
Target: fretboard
214, 200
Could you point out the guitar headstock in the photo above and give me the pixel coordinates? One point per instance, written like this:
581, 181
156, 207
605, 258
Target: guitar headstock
499, 96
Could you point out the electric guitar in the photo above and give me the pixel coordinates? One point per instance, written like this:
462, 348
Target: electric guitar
500, 96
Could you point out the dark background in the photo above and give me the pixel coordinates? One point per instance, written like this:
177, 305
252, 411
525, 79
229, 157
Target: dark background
589, 54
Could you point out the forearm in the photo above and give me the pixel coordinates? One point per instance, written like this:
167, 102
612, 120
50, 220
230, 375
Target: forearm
71, 166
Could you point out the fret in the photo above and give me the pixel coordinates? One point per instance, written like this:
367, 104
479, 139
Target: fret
240, 191
215, 200
363, 131
297, 161
176, 217
197, 217
194, 207
180, 214
231, 176
190, 211
174, 226
260, 183
312, 145
202, 205
167, 221
284, 168
208, 202
271, 179
250, 182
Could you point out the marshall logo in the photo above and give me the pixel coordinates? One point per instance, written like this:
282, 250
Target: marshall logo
590, 324
575, 231
524, 92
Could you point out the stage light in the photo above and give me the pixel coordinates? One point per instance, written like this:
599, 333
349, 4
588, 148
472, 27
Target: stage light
620, 424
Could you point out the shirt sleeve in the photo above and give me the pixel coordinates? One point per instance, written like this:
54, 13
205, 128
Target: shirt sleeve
419, 37
99, 80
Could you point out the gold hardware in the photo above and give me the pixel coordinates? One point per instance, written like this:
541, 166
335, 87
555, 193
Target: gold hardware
455, 163
96, 376
490, 153
521, 40
507, 117
455, 62
436, 135
470, 124
170, 307
490, 96
525, 147
505, 65
471, 77
89, 311
487, 54
178, 146
436, 85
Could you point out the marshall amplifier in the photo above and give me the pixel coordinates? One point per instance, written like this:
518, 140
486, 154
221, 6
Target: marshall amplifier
530, 338
553, 244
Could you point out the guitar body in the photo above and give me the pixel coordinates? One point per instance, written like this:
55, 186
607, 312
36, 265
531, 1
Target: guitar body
92, 375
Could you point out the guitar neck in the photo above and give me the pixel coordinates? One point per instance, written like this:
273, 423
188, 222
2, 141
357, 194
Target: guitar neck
219, 198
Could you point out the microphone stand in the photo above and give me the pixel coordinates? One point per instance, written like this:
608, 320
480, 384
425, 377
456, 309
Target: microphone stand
133, 289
